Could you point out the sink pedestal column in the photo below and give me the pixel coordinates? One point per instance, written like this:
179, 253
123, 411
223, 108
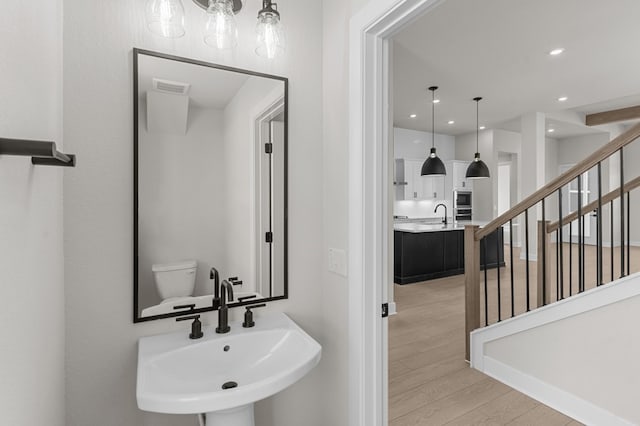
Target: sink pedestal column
240, 416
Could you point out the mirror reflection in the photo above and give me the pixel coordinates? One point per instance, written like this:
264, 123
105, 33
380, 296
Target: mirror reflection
210, 184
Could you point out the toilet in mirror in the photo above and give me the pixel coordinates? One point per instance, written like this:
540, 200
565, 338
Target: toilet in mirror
210, 185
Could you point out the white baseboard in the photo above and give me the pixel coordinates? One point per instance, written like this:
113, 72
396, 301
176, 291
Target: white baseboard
565, 402
533, 257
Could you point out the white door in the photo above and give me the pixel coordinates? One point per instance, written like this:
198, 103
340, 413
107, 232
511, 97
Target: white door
570, 197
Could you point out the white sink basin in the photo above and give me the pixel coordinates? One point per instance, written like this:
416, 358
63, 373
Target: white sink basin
178, 375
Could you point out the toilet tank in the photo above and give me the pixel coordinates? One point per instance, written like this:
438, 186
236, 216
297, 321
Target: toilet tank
177, 279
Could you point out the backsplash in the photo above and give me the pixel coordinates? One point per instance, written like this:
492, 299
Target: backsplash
420, 208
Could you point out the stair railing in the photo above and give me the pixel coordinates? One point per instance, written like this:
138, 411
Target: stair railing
484, 246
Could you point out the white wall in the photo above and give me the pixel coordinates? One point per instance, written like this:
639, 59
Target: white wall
592, 356
31, 234
182, 182
101, 338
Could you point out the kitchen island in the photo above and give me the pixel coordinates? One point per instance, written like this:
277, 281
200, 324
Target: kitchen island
425, 251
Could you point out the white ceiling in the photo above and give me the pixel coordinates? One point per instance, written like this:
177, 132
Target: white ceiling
498, 49
210, 87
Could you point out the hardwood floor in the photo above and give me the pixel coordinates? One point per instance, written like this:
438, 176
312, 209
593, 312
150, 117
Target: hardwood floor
429, 381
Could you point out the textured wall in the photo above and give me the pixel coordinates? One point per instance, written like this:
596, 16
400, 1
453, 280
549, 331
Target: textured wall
31, 262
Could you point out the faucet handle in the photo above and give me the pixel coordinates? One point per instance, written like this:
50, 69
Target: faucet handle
248, 315
234, 281
196, 326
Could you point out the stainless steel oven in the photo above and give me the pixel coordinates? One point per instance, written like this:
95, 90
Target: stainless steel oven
462, 205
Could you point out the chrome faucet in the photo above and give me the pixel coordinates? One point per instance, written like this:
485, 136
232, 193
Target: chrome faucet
223, 309
444, 220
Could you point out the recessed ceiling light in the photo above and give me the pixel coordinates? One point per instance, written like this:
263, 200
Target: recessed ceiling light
556, 52
436, 101
450, 122
551, 130
413, 116
562, 98
482, 127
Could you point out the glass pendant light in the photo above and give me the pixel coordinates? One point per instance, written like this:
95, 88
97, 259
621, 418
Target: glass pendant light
477, 169
165, 17
220, 29
433, 165
269, 31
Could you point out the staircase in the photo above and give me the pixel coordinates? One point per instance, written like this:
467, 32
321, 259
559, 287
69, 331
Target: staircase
572, 274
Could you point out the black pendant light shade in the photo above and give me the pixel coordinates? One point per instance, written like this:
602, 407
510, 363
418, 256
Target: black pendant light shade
477, 169
433, 165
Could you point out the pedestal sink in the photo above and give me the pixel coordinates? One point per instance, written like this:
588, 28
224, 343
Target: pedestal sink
222, 375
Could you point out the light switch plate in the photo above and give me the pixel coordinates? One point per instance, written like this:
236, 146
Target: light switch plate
338, 261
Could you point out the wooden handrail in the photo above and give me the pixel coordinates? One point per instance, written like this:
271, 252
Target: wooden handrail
610, 196
603, 153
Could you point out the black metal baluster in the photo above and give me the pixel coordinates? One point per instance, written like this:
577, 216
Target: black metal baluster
557, 268
544, 256
486, 292
599, 227
526, 247
621, 214
560, 245
628, 232
580, 234
570, 256
611, 238
498, 273
511, 262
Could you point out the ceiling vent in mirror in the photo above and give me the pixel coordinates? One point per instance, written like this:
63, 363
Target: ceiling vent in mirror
168, 86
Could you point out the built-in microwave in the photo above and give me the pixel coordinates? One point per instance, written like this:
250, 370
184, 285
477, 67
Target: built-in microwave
462, 199
462, 209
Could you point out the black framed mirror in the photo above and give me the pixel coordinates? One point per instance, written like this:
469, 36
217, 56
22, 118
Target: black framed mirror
210, 184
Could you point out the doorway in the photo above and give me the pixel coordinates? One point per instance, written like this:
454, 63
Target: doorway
571, 195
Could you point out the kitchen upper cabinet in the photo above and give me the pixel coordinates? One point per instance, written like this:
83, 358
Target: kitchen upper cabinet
417, 187
459, 172
456, 178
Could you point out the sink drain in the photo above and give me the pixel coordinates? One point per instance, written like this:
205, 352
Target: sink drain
230, 385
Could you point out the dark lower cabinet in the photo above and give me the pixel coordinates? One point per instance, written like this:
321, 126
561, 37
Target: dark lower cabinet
429, 255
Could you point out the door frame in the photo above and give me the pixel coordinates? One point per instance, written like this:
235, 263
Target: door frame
263, 114
370, 224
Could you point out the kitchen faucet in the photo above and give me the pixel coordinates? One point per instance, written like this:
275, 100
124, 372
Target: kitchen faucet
444, 220
223, 311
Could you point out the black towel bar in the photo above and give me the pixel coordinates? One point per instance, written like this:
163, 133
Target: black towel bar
43, 153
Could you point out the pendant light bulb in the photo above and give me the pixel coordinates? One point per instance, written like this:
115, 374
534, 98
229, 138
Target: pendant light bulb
270, 38
165, 17
433, 165
221, 30
477, 168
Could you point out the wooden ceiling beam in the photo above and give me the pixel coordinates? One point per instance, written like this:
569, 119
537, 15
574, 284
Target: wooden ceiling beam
623, 114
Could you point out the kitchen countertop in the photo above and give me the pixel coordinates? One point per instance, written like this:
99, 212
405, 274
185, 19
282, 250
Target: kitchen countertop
420, 226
